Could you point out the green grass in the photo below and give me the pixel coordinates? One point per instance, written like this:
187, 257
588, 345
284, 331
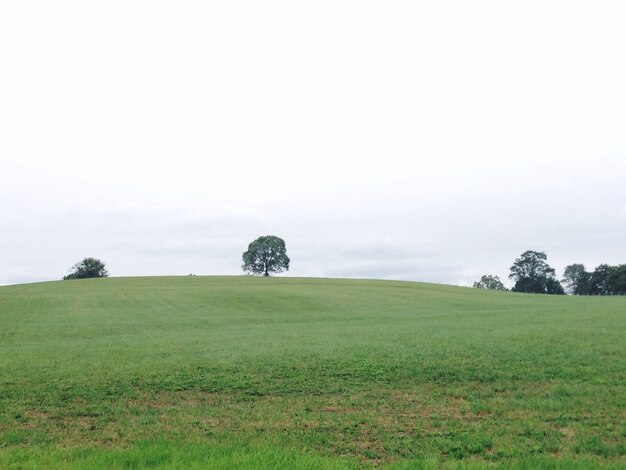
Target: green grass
223, 372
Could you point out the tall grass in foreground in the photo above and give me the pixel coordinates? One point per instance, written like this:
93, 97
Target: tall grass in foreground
167, 455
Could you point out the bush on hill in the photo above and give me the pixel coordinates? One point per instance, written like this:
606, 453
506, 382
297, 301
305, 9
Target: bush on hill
87, 268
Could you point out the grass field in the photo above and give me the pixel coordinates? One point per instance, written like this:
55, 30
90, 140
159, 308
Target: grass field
240, 372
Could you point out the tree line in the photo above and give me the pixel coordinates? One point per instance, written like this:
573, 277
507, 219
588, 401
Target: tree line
532, 274
604, 280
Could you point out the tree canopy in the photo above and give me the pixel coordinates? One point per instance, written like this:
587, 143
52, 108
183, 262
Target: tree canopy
608, 280
533, 274
490, 282
87, 268
266, 255
553, 286
577, 279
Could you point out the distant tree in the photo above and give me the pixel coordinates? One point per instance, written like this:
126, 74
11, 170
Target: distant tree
618, 280
554, 287
531, 273
608, 280
266, 255
577, 279
87, 268
490, 282
601, 280
530, 285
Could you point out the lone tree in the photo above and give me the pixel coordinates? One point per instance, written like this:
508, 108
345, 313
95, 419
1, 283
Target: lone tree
266, 255
87, 268
490, 282
533, 274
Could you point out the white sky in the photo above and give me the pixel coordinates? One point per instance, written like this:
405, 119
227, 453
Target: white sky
430, 141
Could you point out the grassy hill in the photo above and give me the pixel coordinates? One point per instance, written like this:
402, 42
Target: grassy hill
223, 372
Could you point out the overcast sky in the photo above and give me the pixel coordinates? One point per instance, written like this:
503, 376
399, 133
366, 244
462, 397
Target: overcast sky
430, 141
